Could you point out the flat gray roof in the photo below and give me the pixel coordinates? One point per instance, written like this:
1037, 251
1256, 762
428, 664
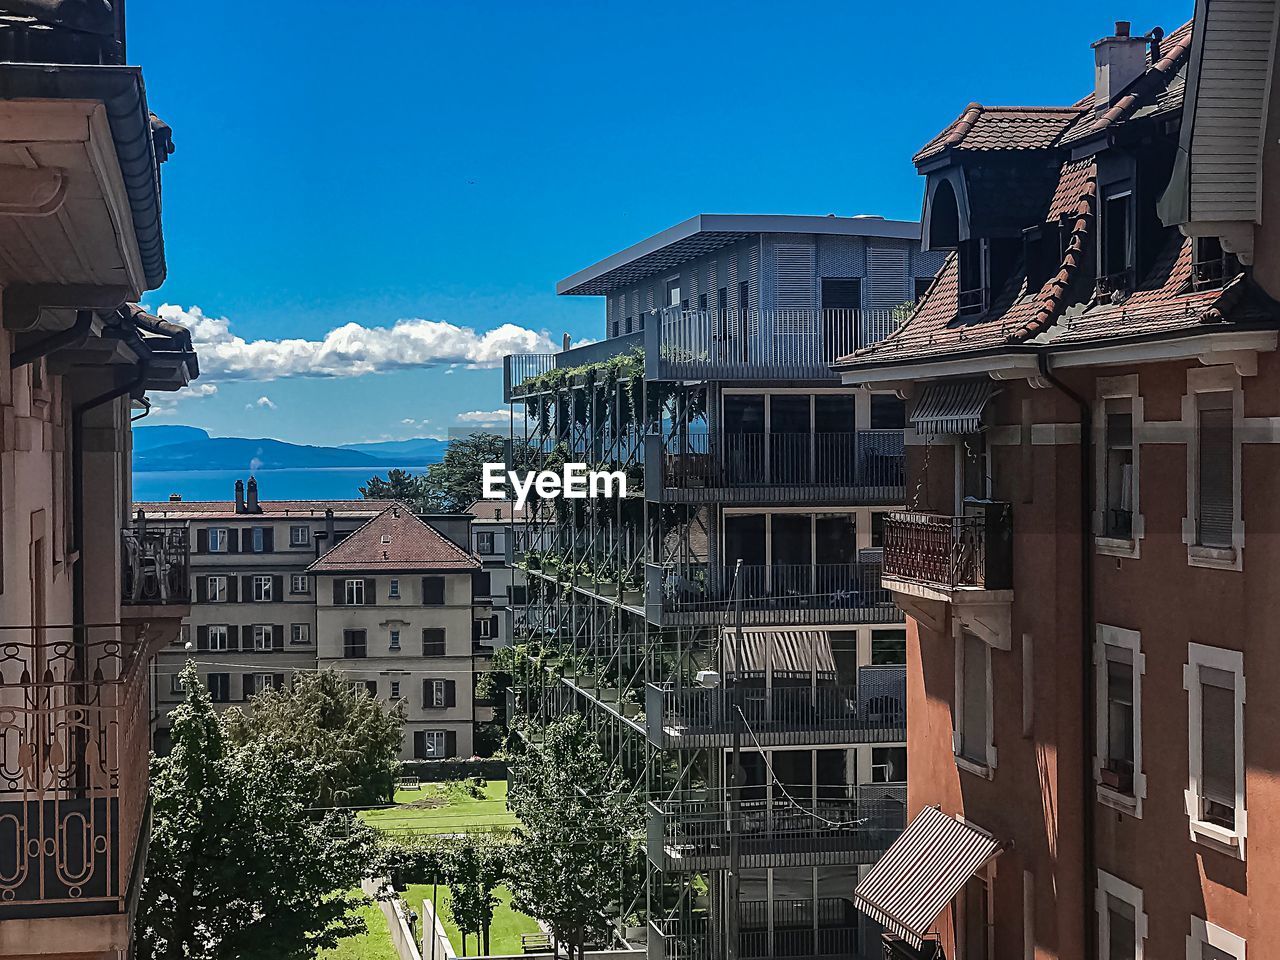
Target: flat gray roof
711, 231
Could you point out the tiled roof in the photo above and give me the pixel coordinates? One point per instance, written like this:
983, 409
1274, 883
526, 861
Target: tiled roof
495, 510
1001, 128
271, 509
395, 540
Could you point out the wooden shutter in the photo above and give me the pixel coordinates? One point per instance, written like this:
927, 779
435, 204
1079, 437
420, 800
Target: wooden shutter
202, 540
233, 541
433, 642
246, 540
450, 693
268, 539
233, 589
493, 628
426, 694
233, 636
370, 591
202, 589
277, 636
475, 631
433, 591
420, 744
246, 588
202, 637
1217, 471
450, 743
1218, 736
277, 680
277, 587
973, 719
247, 688
339, 592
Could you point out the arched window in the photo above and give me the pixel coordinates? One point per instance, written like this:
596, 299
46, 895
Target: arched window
944, 217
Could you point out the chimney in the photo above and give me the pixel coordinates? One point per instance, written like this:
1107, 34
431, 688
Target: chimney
1118, 61
251, 504
328, 525
239, 496
565, 341
175, 498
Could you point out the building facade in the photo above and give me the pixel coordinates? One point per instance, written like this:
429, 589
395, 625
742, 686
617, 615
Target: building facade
1086, 562
396, 609
730, 605
253, 617
85, 596
497, 534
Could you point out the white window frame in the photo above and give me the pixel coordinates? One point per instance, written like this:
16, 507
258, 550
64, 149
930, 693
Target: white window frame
1204, 933
299, 578
486, 535
258, 539
263, 586
218, 535
1217, 379
986, 770
393, 589
299, 633
486, 628
435, 742
263, 681
1109, 885
221, 591
1131, 640
439, 695
299, 535
262, 638
395, 689
353, 592
394, 640
1231, 841
1117, 388
175, 682
223, 633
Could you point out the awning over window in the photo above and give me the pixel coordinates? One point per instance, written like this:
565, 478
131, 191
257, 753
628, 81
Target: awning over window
920, 873
793, 652
953, 406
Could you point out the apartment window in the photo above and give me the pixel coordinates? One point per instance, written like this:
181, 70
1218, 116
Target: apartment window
393, 589
922, 285
431, 744
217, 539
262, 637
299, 535
433, 591
216, 589
354, 645
1119, 665
175, 683
219, 687
1216, 476
262, 588
354, 592
1213, 414
1122, 926
1208, 941
262, 682
976, 894
1214, 680
259, 536
973, 703
395, 640
484, 628
877, 529
972, 297
299, 583
888, 647
1117, 519
673, 291
299, 633
218, 634
1115, 258
395, 689
887, 412
484, 542
888, 764
433, 642
438, 693
1210, 266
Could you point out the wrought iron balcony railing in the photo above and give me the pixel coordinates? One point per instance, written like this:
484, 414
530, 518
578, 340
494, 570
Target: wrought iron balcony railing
975, 550
155, 564
74, 741
857, 827
773, 595
873, 711
519, 369
865, 465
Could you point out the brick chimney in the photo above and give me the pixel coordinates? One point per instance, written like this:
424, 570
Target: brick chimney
1118, 61
251, 503
175, 498
239, 496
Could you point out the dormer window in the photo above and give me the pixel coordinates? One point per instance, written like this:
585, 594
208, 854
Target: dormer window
1211, 266
1116, 256
973, 270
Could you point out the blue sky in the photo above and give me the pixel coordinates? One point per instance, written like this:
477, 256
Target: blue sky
407, 160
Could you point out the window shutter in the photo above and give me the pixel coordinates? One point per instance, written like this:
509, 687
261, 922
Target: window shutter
202, 540
202, 589
475, 631
433, 591
246, 540
1218, 736
339, 597
426, 694
1217, 472
202, 638
450, 693
973, 721
233, 589
450, 743
233, 541
277, 636
277, 587
420, 744
233, 636
433, 642
278, 680
247, 689
480, 583
370, 591
493, 627
246, 587
268, 540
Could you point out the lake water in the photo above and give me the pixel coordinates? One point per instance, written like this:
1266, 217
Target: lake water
293, 483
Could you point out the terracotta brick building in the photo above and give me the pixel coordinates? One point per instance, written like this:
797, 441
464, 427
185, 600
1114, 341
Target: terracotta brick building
1087, 560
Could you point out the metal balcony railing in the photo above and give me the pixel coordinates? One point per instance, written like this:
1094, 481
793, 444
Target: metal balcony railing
74, 741
518, 369
826, 927
857, 827
872, 711
867, 463
155, 564
975, 550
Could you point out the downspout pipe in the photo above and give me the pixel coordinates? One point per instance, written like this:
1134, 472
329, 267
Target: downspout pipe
1087, 706
55, 341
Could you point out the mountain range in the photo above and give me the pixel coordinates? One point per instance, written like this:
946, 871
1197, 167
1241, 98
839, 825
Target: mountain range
177, 447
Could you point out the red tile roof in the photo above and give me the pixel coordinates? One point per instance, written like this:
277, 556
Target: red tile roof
1001, 128
395, 541
495, 510
271, 509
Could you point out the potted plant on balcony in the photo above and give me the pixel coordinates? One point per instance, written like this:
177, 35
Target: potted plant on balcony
633, 929
606, 580
631, 705
632, 590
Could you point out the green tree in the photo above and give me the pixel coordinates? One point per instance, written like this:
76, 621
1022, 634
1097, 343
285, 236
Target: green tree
457, 481
476, 869
398, 485
239, 868
577, 833
345, 743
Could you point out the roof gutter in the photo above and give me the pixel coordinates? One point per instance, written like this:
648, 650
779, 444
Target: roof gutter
56, 341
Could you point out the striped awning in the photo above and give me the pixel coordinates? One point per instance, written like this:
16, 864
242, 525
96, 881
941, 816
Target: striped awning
920, 873
952, 406
780, 652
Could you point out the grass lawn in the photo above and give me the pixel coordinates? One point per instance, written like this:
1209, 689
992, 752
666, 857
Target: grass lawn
444, 808
373, 944
504, 933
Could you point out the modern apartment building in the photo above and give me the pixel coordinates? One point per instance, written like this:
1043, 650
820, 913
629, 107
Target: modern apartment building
730, 605
1088, 558
396, 609
253, 620
85, 597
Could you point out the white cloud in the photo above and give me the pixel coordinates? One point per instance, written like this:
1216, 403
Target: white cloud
265, 402
350, 350
483, 416
410, 422
163, 403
